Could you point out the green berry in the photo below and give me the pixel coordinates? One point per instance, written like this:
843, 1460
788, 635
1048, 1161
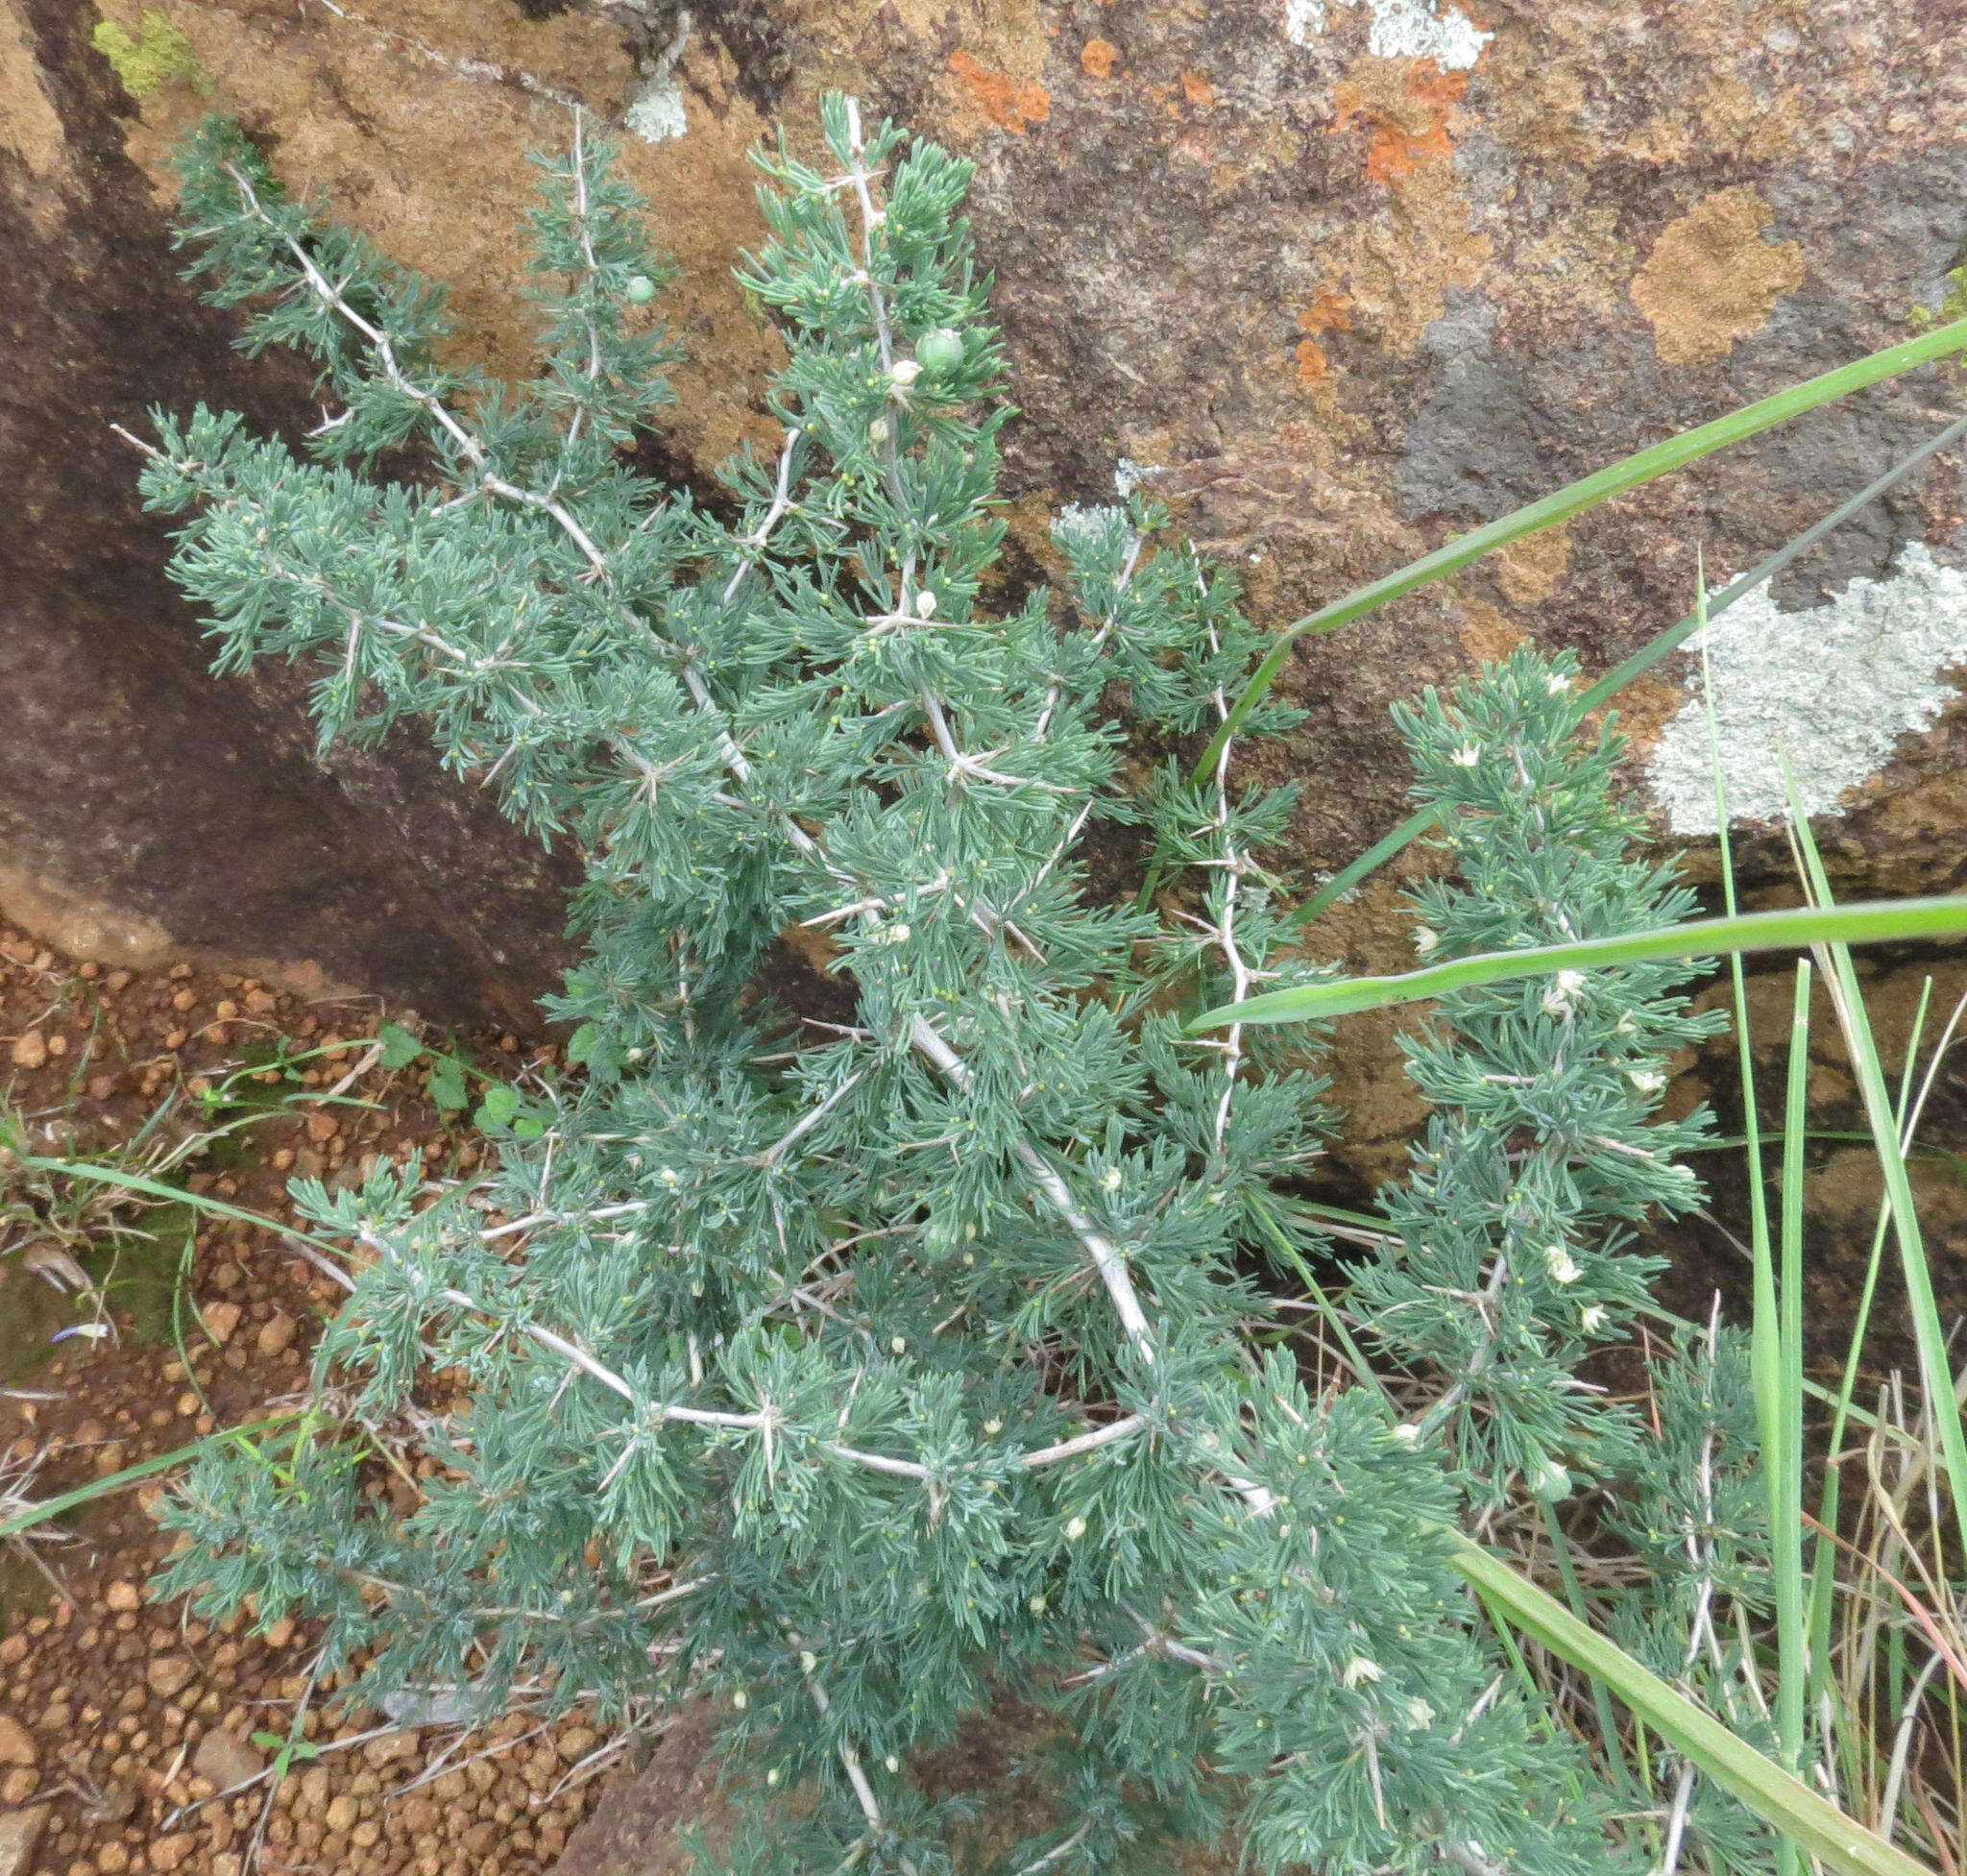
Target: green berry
641, 289
940, 351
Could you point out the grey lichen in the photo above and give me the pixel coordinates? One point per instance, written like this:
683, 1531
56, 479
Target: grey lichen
1833, 686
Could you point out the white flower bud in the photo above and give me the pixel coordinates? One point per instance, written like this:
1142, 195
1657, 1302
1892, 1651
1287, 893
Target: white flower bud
1648, 1081
877, 431
808, 1660
1075, 1529
905, 371
1467, 756
1426, 942
1407, 1432
1592, 1318
1557, 1260
1109, 1179
1420, 1715
1037, 1605
771, 1777
1358, 1670
899, 1344
925, 604
741, 1699
899, 933
669, 1176
893, 1764
1551, 1480
1560, 684
993, 1426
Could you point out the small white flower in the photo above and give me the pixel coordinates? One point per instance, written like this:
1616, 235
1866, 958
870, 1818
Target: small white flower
1075, 1529
1625, 1025
1648, 1081
893, 1764
905, 371
877, 431
669, 1176
1559, 686
993, 1428
969, 1256
808, 1660
1558, 1262
741, 1699
1592, 1318
1426, 942
925, 604
1407, 1432
1358, 1670
898, 933
1109, 1179
633, 1054
1037, 1605
1420, 1715
898, 1343
1467, 756
1560, 996
771, 1777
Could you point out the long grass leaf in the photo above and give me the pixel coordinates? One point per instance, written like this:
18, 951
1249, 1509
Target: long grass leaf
1871, 921
1780, 1799
1847, 999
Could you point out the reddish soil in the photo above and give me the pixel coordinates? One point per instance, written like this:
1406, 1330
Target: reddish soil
124, 1721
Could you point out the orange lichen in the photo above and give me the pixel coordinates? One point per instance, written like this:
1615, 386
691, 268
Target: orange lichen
1407, 129
1312, 362
1330, 312
1010, 107
1097, 57
1198, 89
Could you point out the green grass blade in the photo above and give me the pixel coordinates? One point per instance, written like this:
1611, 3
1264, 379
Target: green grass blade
1661, 459
1872, 922
1785, 1474
1780, 1799
1935, 1370
1371, 861
172, 1194
1641, 661
40, 1512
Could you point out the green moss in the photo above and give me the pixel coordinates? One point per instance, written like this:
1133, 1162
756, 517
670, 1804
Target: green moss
159, 56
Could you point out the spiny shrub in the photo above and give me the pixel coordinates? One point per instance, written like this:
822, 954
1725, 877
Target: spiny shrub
865, 1374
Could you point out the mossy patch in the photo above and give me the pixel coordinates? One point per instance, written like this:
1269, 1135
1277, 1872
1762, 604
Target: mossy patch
159, 56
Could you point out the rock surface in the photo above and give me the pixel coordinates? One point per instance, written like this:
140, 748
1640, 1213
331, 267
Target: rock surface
20, 1833
1338, 278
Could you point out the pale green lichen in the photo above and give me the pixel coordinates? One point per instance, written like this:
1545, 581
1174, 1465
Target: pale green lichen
160, 55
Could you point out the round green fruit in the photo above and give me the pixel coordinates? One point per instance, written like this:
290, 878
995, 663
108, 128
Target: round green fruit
940, 351
641, 289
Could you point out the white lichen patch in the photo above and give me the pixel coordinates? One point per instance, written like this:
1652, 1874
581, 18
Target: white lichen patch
1129, 475
1399, 28
655, 111
1304, 20
1833, 686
